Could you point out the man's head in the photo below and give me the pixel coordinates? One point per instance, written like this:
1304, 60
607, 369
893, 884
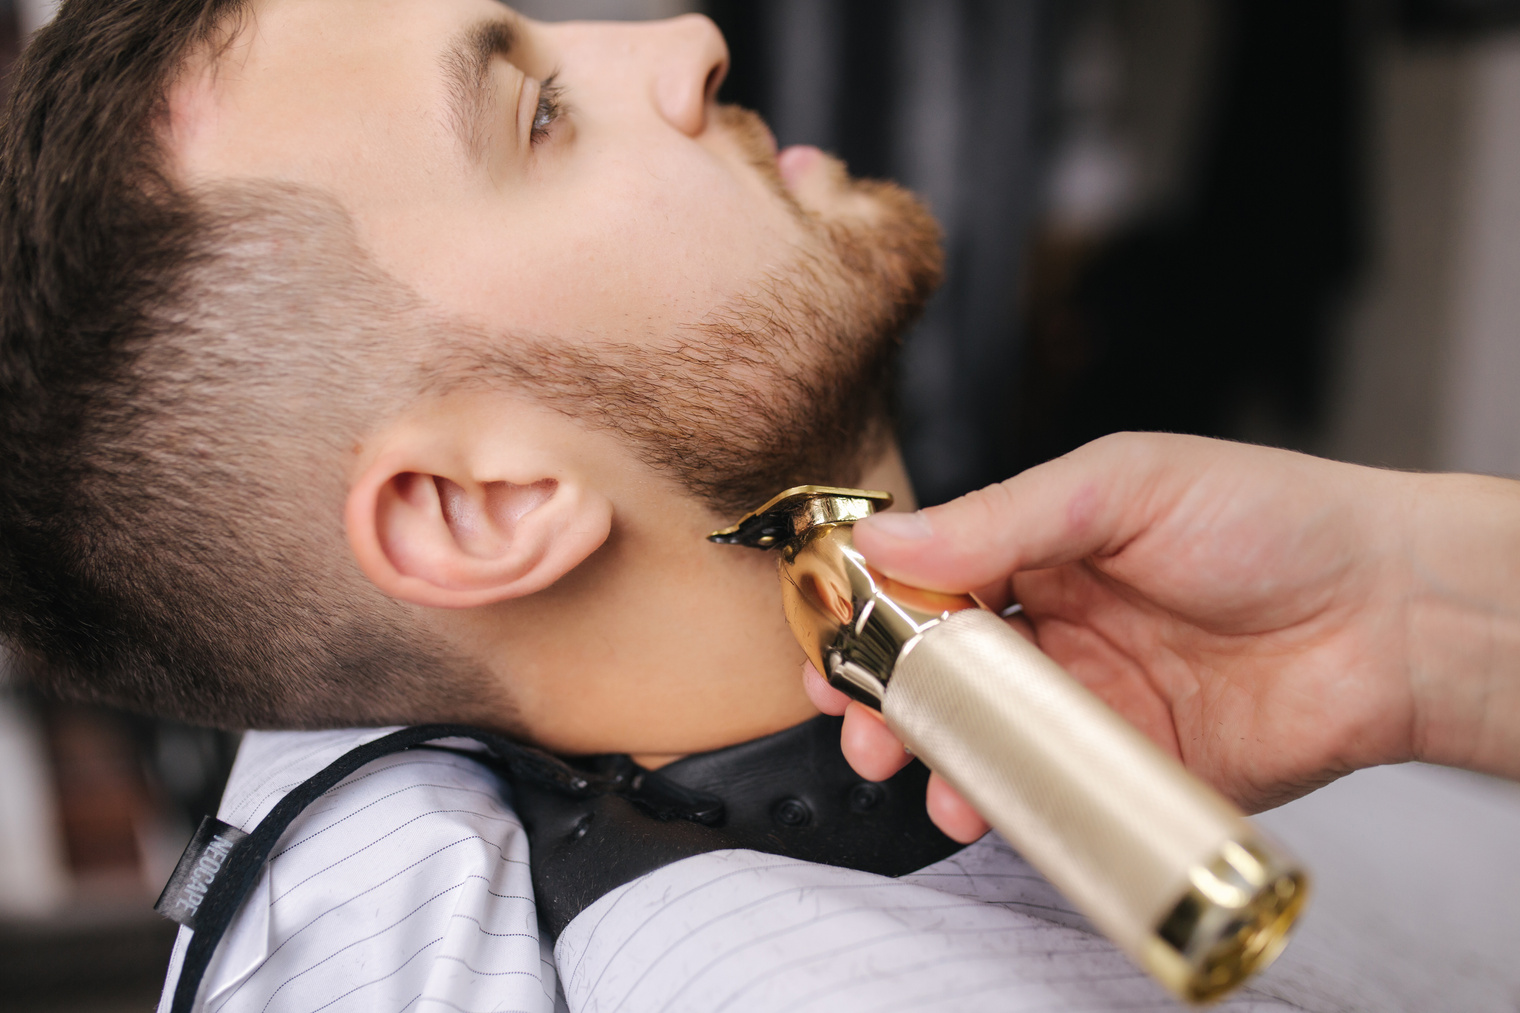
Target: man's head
375, 360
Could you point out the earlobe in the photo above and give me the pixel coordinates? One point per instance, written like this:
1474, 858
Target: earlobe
459, 542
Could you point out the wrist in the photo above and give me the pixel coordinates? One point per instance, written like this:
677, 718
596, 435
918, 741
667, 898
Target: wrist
1462, 565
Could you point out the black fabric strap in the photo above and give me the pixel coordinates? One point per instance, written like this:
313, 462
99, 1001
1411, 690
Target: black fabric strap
243, 865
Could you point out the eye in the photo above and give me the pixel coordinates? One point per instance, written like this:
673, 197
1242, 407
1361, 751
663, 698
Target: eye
549, 109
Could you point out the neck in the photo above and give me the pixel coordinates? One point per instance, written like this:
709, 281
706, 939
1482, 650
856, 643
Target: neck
660, 645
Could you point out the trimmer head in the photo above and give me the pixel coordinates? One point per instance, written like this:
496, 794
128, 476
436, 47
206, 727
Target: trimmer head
788, 514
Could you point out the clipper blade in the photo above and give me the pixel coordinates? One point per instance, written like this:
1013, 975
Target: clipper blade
787, 514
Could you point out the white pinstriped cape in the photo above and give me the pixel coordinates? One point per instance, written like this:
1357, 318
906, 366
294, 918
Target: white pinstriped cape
406, 890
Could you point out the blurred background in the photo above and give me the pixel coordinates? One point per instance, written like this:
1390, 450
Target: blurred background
1292, 222
1295, 223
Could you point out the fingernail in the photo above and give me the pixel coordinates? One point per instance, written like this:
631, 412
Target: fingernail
912, 527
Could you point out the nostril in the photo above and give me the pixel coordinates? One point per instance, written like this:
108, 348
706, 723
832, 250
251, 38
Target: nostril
714, 80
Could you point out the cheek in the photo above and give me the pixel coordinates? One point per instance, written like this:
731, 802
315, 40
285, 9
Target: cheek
676, 238
613, 247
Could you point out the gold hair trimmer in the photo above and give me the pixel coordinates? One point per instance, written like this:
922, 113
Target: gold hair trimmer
1159, 861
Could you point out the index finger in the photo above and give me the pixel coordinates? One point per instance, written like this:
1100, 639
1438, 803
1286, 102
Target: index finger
1092, 501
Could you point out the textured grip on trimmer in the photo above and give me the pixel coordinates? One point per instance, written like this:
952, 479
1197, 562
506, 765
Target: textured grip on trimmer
1160, 862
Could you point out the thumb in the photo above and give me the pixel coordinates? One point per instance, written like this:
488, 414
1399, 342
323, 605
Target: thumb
1092, 501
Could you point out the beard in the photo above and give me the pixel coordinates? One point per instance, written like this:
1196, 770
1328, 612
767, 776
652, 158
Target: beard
789, 383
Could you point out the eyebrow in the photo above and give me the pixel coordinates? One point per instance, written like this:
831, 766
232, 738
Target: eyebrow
467, 72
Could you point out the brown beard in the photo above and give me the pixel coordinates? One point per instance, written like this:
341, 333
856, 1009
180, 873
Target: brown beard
788, 384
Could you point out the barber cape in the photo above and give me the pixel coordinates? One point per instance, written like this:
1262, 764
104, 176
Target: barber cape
408, 887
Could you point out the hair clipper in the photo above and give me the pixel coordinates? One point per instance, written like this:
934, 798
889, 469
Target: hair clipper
1160, 862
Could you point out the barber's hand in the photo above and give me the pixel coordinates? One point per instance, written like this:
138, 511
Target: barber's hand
1272, 619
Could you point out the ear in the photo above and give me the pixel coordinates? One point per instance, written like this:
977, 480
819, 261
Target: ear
460, 540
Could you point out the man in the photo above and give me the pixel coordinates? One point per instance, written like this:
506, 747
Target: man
385, 361
388, 362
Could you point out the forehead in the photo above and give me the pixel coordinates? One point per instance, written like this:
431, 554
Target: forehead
309, 90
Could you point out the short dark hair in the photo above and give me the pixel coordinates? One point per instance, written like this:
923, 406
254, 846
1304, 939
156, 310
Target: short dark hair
155, 342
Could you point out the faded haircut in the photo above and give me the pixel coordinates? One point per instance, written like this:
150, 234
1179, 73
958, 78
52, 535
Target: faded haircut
184, 371
181, 373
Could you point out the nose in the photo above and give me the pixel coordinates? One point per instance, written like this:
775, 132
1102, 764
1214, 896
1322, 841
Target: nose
692, 60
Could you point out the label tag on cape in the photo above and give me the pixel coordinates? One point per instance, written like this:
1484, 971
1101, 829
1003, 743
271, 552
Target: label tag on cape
199, 867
